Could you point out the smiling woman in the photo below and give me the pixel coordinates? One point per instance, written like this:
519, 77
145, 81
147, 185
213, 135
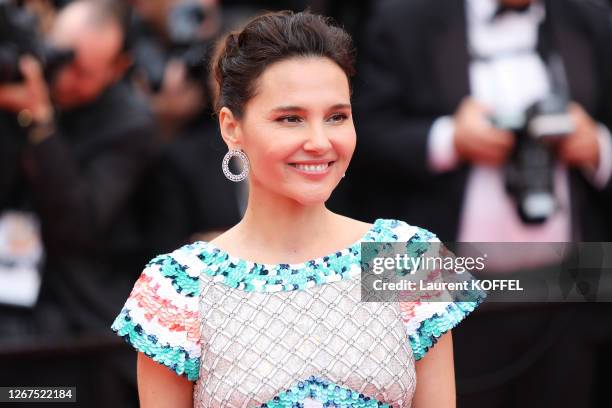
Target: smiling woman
270, 313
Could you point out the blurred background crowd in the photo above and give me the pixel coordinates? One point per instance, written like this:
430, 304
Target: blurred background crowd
480, 120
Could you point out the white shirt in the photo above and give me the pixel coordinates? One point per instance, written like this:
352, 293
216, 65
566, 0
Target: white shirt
508, 83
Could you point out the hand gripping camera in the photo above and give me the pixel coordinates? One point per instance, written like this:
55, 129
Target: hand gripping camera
18, 37
529, 173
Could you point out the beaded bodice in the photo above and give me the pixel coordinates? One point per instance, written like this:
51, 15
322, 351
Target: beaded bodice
262, 346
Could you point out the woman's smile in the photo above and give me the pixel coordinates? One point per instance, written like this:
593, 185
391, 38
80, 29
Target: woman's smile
312, 168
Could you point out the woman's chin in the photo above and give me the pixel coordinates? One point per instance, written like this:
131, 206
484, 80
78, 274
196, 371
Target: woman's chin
313, 199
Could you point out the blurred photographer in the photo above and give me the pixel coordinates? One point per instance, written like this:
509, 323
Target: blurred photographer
87, 138
493, 116
447, 112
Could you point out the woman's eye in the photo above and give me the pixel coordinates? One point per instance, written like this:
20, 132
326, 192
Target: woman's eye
289, 119
338, 117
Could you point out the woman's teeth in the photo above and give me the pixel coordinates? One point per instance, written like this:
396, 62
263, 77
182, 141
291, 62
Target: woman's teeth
314, 168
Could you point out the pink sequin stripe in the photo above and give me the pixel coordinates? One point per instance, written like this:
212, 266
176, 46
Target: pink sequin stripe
410, 301
163, 311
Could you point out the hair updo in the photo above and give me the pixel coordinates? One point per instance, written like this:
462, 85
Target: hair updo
244, 55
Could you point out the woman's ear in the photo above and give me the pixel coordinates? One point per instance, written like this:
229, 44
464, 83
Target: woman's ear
230, 128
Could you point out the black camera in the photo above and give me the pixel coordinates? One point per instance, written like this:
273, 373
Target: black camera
529, 174
19, 37
185, 42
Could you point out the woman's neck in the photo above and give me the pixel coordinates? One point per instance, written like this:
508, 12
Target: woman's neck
284, 225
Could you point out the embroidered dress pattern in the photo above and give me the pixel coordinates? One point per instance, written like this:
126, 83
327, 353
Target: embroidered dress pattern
291, 335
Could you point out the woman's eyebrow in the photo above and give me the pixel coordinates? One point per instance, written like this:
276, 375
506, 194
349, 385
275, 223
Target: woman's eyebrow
341, 106
288, 109
291, 108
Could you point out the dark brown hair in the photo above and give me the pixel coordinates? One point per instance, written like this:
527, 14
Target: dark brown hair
243, 55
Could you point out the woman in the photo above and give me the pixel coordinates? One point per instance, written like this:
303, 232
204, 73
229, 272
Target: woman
269, 312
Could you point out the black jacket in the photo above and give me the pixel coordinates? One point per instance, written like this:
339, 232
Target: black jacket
82, 181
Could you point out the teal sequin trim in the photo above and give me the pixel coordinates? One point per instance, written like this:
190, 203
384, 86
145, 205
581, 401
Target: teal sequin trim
260, 277
175, 358
431, 329
183, 283
329, 394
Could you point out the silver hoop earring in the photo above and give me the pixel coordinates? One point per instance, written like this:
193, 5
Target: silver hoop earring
245, 165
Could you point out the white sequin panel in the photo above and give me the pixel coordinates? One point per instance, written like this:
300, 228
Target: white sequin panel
256, 345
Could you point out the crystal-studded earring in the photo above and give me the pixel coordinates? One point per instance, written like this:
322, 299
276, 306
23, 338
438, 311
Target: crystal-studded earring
245, 165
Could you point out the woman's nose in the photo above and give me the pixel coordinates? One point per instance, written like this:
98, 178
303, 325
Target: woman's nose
317, 140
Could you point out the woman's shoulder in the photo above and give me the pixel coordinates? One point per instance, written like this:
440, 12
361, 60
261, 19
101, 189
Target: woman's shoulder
391, 229
177, 270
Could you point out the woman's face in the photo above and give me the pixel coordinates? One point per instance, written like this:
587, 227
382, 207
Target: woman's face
298, 130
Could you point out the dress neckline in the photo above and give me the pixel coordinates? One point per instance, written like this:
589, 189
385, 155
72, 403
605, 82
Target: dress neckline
253, 276
368, 236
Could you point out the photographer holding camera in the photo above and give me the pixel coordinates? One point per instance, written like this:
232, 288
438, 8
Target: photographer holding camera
447, 111
493, 117
85, 140
88, 139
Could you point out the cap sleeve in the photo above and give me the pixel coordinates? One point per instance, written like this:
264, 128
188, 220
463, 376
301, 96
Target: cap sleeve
430, 315
160, 317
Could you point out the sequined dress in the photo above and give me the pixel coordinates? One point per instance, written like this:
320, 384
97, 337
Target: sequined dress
284, 335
